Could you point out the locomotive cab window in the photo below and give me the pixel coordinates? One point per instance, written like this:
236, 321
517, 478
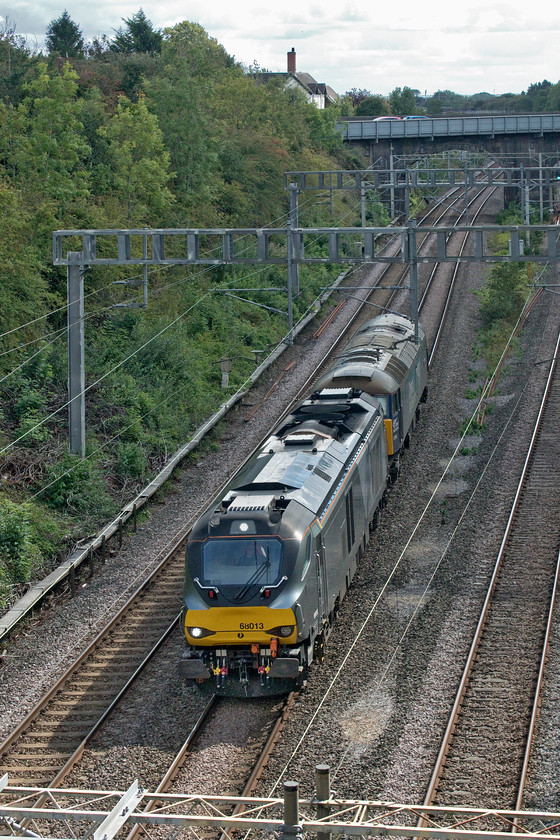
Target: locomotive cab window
308, 553
385, 405
237, 562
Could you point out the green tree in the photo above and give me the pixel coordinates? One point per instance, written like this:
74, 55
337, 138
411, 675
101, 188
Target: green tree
49, 154
445, 99
373, 106
64, 38
322, 128
402, 101
553, 98
98, 48
137, 164
434, 107
537, 96
23, 291
190, 44
16, 63
183, 95
251, 156
183, 110
139, 36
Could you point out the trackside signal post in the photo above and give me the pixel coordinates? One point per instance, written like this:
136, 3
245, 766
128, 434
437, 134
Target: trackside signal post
262, 246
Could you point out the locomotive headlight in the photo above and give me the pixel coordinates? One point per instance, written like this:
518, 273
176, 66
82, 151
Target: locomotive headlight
199, 632
284, 631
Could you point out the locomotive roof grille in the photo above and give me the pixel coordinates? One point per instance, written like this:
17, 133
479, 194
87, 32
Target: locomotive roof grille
322, 474
250, 503
334, 393
300, 439
396, 368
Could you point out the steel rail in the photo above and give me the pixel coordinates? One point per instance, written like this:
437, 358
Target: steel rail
77, 754
254, 776
176, 764
486, 193
73, 760
446, 741
266, 752
91, 648
542, 666
404, 272
454, 275
536, 704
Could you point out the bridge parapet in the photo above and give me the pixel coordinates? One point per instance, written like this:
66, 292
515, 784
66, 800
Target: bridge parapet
450, 127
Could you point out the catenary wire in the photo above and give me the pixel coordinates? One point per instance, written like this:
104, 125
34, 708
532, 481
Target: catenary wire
398, 562
147, 414
106, 374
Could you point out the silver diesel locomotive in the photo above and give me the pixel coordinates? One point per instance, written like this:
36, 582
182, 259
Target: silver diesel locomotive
270, 561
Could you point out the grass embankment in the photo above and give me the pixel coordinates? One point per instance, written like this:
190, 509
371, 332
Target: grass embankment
502, 298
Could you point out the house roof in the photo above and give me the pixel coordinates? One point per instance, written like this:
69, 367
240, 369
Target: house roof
305, 81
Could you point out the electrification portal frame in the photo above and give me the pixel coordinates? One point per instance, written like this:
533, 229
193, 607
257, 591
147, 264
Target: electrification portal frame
69, 813
417, 177
522, 177
261, 246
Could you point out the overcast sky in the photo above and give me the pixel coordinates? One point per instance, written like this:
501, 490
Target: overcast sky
466, 46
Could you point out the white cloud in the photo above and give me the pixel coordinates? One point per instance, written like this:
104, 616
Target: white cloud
501, 47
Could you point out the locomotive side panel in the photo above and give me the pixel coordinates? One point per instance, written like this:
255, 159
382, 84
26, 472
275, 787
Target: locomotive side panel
414, 386
346, 529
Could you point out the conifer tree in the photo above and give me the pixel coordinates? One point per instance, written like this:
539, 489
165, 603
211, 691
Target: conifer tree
138, 37
64, 38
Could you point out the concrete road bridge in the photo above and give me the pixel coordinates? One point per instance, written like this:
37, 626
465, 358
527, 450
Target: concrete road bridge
507, 134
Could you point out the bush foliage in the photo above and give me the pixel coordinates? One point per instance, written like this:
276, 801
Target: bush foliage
150, 130
504, 293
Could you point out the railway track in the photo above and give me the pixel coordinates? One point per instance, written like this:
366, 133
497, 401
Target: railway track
485, 752
182, 776
49, 742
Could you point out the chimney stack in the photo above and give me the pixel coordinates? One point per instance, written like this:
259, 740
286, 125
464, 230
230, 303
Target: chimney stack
292, 61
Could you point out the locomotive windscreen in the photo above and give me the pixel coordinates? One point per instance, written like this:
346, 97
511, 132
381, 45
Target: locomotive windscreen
238, 562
